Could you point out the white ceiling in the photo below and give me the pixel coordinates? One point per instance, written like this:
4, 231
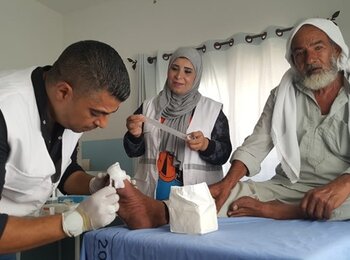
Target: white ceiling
68, 6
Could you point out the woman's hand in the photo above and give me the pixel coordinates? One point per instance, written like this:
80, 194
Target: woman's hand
197, 141
134, 124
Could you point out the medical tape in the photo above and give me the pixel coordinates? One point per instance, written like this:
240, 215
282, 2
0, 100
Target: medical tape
166, 128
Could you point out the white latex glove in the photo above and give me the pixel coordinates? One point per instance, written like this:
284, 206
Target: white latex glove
94, 212
98, 182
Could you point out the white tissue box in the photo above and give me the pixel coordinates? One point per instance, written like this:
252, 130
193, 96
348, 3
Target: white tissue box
192, 209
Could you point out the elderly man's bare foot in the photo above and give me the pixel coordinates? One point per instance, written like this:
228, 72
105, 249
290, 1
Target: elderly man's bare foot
247, 206
140, 211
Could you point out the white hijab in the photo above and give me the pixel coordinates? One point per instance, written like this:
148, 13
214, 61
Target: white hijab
283, 130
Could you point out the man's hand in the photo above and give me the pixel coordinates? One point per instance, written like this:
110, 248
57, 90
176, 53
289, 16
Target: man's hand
98, 182
94, 212
220, 192
222, 189
320, 202
134, 124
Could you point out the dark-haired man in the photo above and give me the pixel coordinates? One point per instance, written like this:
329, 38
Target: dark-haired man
43, 113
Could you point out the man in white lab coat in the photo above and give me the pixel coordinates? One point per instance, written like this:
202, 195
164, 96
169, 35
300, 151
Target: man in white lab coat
43, 113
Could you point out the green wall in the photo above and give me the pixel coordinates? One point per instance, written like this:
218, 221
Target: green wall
103, 153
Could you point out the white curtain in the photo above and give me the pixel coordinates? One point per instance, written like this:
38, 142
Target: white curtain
240, 76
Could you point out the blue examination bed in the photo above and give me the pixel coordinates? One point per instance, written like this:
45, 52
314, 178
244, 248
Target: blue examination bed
237, 238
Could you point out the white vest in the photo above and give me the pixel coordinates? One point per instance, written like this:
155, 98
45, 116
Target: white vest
195, 170
29, 167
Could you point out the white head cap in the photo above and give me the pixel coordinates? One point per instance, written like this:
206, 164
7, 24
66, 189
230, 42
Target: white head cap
333, 32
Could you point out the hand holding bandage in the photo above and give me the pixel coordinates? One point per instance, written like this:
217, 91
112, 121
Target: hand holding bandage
95, 212
114, 177
134, 124
197, 141
117, 176
98, 182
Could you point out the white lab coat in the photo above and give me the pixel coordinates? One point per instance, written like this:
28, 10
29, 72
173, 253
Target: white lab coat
29, 167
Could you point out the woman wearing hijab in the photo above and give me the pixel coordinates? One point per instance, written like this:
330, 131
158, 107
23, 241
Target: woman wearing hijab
168, 160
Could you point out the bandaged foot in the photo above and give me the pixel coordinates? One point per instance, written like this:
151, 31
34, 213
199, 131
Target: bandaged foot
117, 176
114, 177
140, 211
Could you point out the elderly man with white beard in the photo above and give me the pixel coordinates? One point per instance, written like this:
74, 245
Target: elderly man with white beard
306, 118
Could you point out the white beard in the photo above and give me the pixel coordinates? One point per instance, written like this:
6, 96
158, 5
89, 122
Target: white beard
322, 79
